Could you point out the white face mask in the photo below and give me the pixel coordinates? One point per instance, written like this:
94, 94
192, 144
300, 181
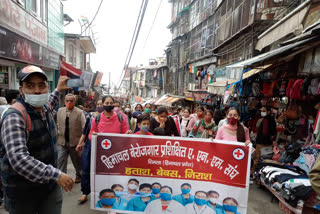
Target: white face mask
132, 186
127, 109
263, 114
213, 200
36, 100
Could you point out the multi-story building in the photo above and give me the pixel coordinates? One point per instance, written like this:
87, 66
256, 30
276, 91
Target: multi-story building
31, 32
149, 81
209, 35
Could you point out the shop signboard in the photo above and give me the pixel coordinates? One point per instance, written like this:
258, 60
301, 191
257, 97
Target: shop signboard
87, 78
15, 18
16, 47
206, 165
202, 96
98, 78
188, 96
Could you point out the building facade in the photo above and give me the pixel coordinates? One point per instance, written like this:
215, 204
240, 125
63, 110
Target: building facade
209, 35
31, 32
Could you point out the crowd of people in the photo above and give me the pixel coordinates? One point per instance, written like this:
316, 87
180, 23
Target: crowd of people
37, 139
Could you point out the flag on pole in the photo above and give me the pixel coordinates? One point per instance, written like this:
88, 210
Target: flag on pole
193, 69
84, 19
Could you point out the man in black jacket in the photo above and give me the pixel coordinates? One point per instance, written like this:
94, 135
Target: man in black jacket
267, 130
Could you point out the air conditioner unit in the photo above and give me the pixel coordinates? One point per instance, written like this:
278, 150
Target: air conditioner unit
192, 86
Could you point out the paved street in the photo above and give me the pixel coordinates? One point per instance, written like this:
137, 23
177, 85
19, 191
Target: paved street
259, 201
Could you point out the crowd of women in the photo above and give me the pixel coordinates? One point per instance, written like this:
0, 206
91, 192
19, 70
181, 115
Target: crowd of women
111, 117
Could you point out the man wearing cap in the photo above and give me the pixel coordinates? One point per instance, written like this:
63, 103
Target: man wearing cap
29, 158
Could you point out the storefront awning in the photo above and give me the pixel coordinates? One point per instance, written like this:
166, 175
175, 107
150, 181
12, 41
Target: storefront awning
285, 26
168, 101
254, 71
67, 70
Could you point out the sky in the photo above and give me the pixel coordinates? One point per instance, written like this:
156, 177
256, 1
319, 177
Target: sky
113, 28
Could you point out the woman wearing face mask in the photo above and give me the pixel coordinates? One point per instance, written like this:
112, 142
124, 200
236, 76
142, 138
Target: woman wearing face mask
127, 111
199, 114
185, 197
204, 128
200, 204
138, 111
147, 109
176, 117
165, 122
230, 206
109, 121
184, 122
233, 130
165, 204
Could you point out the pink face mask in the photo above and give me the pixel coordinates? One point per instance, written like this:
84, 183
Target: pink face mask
232, 120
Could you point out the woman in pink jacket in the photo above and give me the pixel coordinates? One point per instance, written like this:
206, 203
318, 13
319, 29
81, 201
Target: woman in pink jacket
108, 120
233, 130
199, 115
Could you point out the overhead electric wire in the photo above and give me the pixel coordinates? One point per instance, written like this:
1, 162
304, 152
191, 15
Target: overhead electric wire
95, 15
130, 51
154, 20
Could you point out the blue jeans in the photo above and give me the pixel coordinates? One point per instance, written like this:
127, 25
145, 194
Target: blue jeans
36, 203
85, 162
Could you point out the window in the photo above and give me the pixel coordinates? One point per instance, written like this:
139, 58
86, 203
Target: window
82, 60
61, 13
71, 54
45, 11
34, 6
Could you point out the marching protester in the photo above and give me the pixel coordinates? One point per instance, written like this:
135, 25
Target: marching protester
108, 121
204, 128
70, 122
29, 158
144, 125
233, 130
165, 204
165, 122
117, 109
184, 122
199, 113
199, 205
147, 109
138, 111
127, 111
185, 197
84, 147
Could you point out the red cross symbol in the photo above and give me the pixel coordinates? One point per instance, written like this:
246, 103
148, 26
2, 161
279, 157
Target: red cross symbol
238, 154
106, 144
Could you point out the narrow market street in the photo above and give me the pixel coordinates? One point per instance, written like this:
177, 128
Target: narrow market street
259, 200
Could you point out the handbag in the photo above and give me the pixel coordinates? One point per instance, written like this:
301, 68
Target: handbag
292, 112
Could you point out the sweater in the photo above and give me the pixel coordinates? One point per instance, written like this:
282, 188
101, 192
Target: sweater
108, 125
228, 133
170, 126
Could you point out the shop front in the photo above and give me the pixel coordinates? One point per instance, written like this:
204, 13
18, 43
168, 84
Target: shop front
16, 52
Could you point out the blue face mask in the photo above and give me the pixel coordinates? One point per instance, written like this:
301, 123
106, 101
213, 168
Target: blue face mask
144, 195
119, 194
145, 128
165, 196
310, 121
230, 208
108, 201
185, 191
200, 202
155, 191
